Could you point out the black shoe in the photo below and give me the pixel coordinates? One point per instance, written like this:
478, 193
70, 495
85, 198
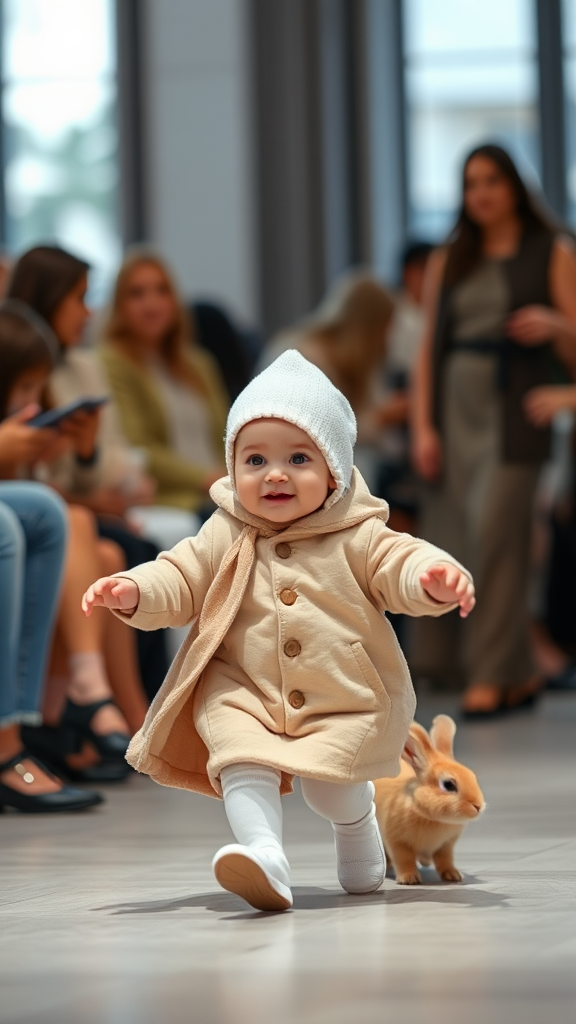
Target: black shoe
111, 746
64, 799
53, 744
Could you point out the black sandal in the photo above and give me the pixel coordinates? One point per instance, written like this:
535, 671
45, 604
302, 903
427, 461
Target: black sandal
52, 745
111, 746
65, 799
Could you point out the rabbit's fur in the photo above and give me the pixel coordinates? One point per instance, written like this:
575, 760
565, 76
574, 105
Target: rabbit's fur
419, 819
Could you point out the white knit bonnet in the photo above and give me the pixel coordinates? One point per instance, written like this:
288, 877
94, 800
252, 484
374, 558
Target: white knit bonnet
293, 389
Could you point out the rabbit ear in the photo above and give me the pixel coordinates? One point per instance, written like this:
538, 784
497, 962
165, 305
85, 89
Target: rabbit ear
418, 748
442, 734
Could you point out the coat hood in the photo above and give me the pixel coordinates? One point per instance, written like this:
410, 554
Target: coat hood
353, 507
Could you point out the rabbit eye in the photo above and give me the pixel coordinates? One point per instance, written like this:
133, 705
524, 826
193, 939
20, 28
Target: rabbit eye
448, 785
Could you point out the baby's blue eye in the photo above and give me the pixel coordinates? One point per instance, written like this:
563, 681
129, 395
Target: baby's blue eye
299, 459
256, 460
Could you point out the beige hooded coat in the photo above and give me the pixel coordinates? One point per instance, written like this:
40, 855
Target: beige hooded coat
289, 661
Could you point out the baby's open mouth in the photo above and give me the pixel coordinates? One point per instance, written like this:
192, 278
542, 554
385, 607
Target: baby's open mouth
278, 496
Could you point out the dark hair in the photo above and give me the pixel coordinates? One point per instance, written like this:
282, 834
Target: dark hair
44, 276
465, 239
416, 251
26, 343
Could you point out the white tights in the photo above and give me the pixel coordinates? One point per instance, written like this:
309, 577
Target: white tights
253, 807
254, 810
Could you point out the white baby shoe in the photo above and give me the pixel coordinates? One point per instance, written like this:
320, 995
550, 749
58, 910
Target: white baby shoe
360, 854
259, 876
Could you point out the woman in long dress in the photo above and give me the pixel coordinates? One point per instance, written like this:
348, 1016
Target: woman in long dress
501, 302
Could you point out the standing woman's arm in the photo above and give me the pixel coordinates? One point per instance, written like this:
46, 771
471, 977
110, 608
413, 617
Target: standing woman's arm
563, 293
533, 325
426, 443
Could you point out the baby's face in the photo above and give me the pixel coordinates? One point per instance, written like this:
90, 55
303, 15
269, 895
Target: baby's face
280, 473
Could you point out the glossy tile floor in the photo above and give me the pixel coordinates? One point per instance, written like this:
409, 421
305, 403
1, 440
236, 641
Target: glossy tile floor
114, 918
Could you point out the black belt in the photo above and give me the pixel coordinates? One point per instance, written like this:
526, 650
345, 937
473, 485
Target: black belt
498, 347
483, 346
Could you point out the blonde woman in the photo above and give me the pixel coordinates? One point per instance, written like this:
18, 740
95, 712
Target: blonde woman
346, 337
168, 392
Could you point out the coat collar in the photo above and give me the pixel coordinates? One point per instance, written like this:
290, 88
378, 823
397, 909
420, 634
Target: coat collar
352, 508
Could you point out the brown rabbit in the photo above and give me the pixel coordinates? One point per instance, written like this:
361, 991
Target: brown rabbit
423, 812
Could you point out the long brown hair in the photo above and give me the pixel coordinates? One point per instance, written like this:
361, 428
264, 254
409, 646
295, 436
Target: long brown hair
179, 339
44, 276
26, 343
351, 324
465, 240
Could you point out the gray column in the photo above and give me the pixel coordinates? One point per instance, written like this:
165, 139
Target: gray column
290, 212
387, 120
130, 29
552, 113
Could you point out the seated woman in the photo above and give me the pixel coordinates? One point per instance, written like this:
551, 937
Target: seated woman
32, 550
27, 354
169, 393
108, 476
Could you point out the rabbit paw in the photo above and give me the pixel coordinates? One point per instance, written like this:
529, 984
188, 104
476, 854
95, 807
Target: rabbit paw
409, 878
451, 875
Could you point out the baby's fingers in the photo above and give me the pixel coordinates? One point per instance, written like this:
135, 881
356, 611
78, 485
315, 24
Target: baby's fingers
96, 595
467, 601
436, 572
90, 599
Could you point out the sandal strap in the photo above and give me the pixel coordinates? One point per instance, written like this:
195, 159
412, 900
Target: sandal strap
23, 755
89, 710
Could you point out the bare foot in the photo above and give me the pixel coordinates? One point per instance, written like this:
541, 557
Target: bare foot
518, 694
27, 777
482, 697
109, 719
86, 758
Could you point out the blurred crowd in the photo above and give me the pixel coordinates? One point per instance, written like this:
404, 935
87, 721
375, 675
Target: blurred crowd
461, 376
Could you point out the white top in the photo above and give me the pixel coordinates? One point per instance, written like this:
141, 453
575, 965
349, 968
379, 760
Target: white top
188, 420
405, 335
80, 374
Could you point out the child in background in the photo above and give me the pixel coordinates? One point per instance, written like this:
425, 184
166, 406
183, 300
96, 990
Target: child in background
290, 667
89, 657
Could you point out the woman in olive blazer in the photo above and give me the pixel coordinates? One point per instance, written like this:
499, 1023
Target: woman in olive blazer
169, 394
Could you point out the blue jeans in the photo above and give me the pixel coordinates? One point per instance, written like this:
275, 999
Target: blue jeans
32, 550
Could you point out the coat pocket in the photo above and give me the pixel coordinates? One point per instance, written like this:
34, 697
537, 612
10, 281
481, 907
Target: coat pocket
369, 672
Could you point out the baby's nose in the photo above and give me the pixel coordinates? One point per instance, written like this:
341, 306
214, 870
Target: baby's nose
276, 473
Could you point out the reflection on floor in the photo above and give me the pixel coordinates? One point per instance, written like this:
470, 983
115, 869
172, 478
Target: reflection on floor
114, 918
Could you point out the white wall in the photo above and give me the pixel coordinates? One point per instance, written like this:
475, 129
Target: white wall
199, 149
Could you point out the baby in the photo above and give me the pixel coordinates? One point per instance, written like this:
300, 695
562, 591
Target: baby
290, 666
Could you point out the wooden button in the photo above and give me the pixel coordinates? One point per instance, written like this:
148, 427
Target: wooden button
292, 648
283, 550
288, 596
296, 699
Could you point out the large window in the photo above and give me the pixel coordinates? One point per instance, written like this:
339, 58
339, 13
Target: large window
59, 136
470, 76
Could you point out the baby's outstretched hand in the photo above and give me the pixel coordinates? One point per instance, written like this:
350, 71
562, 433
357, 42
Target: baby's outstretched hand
447, 584
111, 592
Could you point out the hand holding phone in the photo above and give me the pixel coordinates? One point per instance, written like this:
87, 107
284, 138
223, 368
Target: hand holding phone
19, 445
54, 417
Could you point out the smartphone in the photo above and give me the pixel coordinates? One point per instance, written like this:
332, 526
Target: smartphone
55, 416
